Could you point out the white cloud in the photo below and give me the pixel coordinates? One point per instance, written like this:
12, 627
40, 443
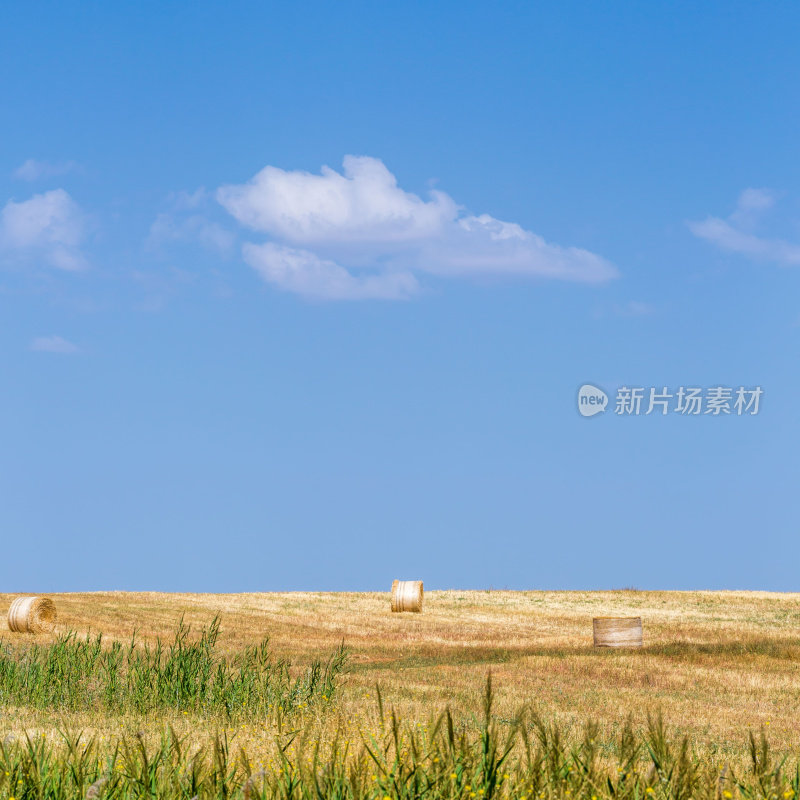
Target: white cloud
484, 245
735, 234
53, 344
33, 170
752, 203
364, 205
304, 273
384, 235
49, 226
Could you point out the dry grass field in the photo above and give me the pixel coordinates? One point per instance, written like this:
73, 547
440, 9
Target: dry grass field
716, 664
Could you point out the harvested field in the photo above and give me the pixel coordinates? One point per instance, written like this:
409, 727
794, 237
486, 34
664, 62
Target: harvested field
716, 664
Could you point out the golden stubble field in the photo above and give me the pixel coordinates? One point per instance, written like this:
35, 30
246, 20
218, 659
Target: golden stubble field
714, 663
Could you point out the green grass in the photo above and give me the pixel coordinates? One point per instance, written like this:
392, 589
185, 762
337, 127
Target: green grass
189, 674
526, 757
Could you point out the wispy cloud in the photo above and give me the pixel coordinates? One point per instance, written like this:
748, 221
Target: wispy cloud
53, 344
634, 308
168, 228
48, 227
33, 170
735, 233
187, 220
304, 273
358, 235
160, 286
751, 206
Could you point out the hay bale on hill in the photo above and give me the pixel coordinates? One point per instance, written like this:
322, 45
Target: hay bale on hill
407, 596
32, 615
617, 631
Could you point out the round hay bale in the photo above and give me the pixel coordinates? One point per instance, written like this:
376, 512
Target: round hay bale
407, 596
32, 615
617, 631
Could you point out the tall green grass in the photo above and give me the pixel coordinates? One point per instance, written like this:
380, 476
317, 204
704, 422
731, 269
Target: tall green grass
526, 759
189, 674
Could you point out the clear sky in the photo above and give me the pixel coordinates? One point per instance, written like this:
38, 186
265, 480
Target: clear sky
301, 296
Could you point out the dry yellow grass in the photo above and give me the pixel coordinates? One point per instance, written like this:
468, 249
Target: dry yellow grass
715, 663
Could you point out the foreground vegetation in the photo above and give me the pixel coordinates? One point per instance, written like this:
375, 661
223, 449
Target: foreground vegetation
188, 675
216, 711
526, 757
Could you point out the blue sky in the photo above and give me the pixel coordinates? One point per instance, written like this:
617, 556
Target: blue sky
301, 297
